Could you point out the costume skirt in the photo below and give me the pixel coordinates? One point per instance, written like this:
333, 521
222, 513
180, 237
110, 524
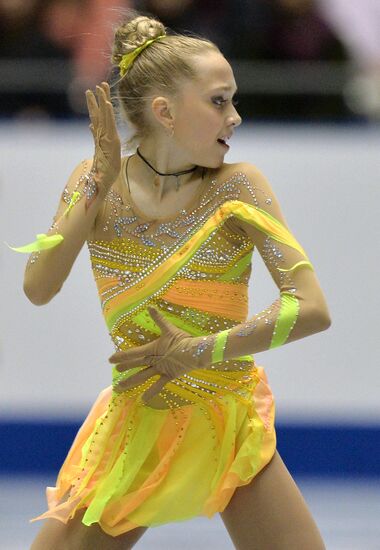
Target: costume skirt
132, 465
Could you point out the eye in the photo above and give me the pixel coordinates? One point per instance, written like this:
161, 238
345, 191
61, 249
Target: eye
219, 100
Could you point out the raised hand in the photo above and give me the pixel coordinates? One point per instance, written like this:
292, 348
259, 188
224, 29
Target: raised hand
172, 354
107, 156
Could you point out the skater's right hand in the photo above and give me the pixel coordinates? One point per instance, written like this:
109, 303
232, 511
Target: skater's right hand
107, 156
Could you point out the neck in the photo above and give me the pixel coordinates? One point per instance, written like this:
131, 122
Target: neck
162, 160
162, 174
164, 156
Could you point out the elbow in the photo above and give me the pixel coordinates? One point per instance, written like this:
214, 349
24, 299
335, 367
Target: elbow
325, 323
321, 319
38, 297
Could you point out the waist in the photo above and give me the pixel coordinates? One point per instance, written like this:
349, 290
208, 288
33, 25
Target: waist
234, 377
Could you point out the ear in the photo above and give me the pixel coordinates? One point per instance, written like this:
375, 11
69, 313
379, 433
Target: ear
162, 111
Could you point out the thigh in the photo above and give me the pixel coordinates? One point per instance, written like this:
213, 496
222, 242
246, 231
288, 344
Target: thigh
270, 513
55, 535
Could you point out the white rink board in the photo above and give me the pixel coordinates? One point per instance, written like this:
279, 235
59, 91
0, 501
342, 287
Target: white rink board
53, 359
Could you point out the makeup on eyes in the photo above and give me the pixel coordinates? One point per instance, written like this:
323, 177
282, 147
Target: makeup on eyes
222, 100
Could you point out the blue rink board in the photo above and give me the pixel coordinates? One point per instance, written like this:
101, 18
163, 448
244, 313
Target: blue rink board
34, 447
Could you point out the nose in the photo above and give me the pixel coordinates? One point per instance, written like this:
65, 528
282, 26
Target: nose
234, 118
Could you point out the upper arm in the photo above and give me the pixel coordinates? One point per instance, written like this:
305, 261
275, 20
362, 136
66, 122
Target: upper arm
277, 245
75, 183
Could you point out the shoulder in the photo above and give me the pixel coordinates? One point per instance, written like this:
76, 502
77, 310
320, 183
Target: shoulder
246, 173
252, 185
254, 189
83, 166
75, 173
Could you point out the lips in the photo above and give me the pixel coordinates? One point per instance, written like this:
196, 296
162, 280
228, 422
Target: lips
223, 139
223, 143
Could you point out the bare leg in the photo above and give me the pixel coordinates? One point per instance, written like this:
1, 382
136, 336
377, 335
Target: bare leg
270, 513
55, 535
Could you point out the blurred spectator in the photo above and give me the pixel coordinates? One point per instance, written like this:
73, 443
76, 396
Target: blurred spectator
79, 32
205, 17
298, 32
18, 26
262, 30
21, 38
357, 23
85, 29
253, 29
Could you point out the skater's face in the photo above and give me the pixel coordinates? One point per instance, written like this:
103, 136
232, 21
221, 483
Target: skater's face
203, 112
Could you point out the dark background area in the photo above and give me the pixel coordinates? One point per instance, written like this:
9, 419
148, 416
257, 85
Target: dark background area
289, 64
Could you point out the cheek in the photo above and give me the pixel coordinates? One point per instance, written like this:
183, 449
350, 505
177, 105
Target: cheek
194, 135
206, 129
198, 127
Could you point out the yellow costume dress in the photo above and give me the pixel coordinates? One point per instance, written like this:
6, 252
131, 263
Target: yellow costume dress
206, 433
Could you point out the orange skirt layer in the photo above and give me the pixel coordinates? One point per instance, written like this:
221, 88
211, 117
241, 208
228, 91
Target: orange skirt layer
132, 465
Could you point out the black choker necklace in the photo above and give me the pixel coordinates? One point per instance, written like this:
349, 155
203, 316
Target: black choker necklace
176, 174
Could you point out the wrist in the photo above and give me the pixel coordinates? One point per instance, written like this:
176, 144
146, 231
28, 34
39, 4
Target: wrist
103, 184
219, 346
209, 349
103, 172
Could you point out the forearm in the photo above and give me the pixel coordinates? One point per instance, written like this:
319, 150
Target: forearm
47, 269
53, 254
280, 323
287, 319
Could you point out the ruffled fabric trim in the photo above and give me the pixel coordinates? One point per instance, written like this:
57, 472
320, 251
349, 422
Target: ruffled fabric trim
135, 466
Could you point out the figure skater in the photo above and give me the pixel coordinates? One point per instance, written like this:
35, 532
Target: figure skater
187, 426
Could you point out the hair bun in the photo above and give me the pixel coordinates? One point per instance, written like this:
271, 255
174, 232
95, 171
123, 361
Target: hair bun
132, 34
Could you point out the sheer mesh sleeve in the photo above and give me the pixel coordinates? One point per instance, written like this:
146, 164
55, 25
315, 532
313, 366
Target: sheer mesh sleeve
300, 309
75, 189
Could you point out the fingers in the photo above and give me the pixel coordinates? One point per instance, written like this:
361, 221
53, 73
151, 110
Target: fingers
136, 379
135, 352
155, 388
134, 357
102, 110
160, 320
93, 109
106, 108
137, 361
111, 123
98, 109
106, 87
110, 115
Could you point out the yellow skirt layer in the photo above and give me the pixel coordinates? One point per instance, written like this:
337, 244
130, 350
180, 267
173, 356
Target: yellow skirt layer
131, 465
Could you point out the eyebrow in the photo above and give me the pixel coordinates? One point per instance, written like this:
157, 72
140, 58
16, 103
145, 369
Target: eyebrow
227, 88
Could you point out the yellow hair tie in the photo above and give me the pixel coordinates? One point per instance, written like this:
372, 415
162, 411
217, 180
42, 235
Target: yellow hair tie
129, 58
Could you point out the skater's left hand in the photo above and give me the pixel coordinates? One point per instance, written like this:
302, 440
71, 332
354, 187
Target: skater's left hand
171, 355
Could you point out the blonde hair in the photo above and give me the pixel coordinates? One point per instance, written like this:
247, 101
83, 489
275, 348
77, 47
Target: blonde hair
159, 68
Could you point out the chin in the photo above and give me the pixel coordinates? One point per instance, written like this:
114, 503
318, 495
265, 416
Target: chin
209, 161
216, 164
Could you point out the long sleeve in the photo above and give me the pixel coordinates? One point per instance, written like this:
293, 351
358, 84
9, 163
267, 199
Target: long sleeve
300, 309
53, 254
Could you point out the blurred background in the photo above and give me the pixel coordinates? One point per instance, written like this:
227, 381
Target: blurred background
308, 76
294, 59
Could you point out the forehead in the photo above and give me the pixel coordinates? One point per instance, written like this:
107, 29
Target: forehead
213, 73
